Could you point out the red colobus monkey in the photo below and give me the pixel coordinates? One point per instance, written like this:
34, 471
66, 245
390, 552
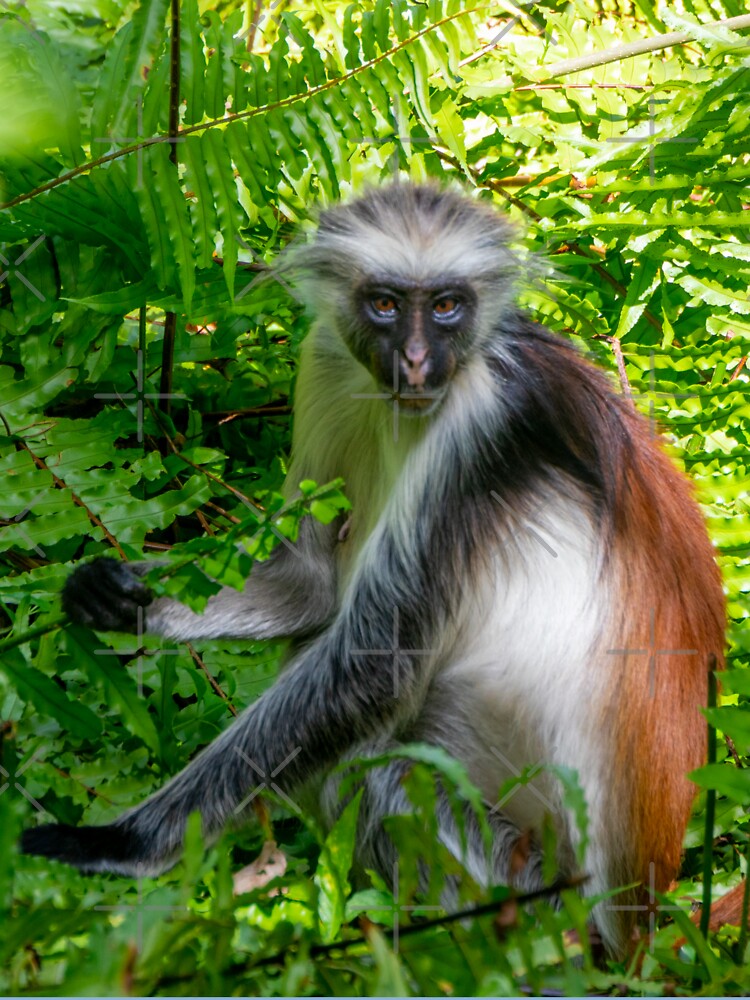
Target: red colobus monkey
555, 590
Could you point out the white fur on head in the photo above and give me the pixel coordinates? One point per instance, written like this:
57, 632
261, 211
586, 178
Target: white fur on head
407, 232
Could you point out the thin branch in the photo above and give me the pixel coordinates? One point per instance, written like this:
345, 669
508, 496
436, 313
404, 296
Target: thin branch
209, 475
483, 909
738, 369
224, 513
495, 185
733, 751
228, 119
211, 679
10, 642
627, 51
620, 360
315, 950
708, 835
89, 788
204, 522
61, 484
253, 26
592, 86
264, 410
170, 318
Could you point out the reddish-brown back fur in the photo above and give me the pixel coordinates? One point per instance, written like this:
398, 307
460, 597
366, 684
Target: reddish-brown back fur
666, 606
670, 613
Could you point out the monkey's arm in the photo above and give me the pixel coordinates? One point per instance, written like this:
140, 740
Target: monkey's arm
292, 593
341, 690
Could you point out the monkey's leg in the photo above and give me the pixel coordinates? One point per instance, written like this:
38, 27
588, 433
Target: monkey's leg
514, 858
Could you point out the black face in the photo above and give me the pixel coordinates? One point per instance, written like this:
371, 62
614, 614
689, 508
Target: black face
412, 338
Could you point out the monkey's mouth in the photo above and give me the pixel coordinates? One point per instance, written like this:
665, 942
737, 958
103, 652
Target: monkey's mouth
417, 401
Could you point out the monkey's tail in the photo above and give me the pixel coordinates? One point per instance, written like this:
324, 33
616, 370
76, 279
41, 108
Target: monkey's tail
257, 751
147, 840
112, 848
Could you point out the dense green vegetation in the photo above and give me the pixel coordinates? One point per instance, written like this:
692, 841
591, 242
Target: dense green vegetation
146, 376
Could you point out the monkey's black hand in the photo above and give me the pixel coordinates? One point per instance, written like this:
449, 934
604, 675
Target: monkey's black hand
105, 595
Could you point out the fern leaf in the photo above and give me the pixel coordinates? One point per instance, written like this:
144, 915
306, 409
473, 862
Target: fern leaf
231, 217
192, 61
142, 43
177, 218
253, 176
202, 209
162, 258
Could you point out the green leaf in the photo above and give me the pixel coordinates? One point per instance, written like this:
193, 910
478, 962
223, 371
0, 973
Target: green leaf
331, 876
192, 61
119, 688
144, 39
389, 978
177, 219
726, 779
219, 169
48, 699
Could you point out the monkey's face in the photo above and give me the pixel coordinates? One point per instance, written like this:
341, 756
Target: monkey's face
412, 338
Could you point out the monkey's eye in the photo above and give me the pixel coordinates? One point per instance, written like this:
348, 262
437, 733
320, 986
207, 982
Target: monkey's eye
384, 305
447, 306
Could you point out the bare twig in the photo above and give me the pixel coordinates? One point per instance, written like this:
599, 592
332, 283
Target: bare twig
211, 679
620, 360
10, 642
738, 369
267, 409
315, 950
253, 26
228, 119
627, 51
733, 751
61, 484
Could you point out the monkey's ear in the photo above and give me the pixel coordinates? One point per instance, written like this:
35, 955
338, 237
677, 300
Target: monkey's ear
90, 848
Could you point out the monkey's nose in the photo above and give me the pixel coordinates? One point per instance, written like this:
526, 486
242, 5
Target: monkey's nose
416, 364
